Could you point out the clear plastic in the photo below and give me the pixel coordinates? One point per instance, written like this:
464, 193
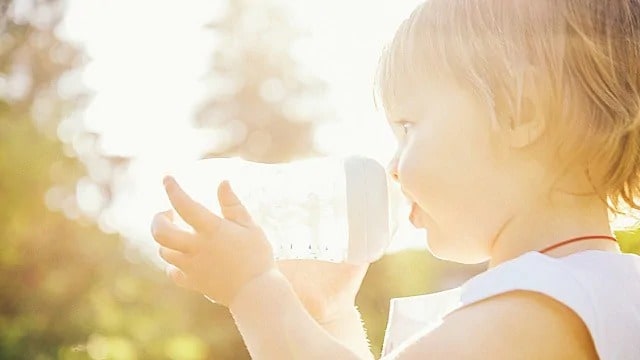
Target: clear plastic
330, 209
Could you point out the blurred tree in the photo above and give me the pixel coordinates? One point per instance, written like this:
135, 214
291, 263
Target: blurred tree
263, 105
70, 290
629, 239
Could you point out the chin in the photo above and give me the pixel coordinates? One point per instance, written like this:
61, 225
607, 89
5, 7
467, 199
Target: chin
456, 251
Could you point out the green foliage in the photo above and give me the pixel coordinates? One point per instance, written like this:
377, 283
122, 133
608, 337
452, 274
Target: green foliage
629, 240
70, 291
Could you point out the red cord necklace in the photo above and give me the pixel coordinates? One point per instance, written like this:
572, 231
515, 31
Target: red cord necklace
569, 241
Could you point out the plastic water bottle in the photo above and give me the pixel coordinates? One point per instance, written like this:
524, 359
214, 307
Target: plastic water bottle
330, 209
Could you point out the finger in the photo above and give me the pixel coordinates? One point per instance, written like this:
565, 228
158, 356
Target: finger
193, 213
231, 207
173, 257
169, 214
169, 235
178, 276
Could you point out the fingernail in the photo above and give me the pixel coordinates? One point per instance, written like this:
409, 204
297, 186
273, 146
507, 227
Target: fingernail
167, 181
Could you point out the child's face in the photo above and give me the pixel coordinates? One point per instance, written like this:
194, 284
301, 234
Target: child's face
448, 163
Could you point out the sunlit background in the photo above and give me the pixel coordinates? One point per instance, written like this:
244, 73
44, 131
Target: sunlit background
152, 80
99, 99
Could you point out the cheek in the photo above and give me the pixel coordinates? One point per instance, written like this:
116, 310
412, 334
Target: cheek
447, 174
423, 169
413, 169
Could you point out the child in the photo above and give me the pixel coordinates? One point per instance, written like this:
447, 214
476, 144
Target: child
518, 126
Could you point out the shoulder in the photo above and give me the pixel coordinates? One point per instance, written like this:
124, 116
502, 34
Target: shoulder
516, 324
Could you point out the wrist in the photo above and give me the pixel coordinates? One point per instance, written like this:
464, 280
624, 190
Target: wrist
334, 316
269, 281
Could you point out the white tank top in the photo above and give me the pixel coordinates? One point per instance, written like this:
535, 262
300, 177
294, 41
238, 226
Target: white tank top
603, 288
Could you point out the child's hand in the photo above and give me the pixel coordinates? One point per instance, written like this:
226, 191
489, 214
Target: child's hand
327, 290
222, 255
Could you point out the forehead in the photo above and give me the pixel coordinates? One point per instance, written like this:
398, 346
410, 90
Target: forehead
438, 96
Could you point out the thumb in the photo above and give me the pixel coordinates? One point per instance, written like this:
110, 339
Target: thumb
231, 207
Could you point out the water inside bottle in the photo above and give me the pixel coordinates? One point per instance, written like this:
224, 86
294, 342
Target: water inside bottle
302, 206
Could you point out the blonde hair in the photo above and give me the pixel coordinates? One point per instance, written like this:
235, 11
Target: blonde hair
586, 54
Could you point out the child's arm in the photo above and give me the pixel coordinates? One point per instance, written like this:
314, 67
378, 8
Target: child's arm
275, 325
349, 330
328, 292
523, 325
230, 258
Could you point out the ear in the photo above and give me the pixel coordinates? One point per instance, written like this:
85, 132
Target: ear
528, 127
527, 124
